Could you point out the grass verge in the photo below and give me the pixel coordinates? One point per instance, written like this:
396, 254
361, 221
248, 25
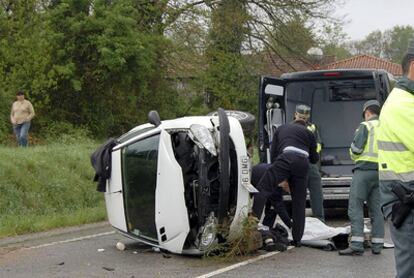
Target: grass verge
45, 187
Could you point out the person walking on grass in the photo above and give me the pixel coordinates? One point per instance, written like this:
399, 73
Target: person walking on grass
21, 114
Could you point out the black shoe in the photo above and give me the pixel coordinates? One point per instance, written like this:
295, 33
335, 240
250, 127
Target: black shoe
295, 243
376, 252
350, 252
275, 246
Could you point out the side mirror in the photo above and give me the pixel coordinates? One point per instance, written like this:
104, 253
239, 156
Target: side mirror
154, 118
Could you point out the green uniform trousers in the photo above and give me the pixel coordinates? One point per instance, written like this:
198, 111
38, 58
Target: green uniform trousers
402, 237
314, 186
365, 187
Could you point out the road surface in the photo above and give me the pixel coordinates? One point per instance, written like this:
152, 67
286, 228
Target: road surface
90, 251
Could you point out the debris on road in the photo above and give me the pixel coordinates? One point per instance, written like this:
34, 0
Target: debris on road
120, 246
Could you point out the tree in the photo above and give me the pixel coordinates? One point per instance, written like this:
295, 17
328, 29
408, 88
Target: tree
396, 42
373, 44
390, 44
332, 40
294, 38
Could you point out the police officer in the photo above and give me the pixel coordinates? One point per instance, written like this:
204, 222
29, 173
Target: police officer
293, 146
314, 183
396, 163
364, 186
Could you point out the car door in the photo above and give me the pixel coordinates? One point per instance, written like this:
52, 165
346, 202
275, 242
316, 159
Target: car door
272, 112
113, 195
139, 166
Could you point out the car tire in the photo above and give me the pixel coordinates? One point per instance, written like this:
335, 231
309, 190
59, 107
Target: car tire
246, 119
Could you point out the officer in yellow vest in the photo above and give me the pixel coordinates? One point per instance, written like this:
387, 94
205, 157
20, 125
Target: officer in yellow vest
396, 165
314, 183
364, 186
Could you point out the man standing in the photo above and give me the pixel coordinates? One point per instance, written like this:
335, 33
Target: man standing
21, 114
364, 186
314, 183
396, 165
293, 146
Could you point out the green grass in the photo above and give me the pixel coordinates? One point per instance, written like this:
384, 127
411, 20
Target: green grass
46, 187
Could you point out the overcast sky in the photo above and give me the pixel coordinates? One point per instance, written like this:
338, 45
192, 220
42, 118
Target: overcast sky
370, 15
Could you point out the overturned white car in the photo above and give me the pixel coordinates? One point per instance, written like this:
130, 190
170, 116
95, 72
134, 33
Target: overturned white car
180, 185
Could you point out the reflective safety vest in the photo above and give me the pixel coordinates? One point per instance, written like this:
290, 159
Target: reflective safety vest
312, 128
370, 151
396, 138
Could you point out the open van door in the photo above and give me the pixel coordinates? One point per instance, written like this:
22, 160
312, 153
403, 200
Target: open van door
272, 112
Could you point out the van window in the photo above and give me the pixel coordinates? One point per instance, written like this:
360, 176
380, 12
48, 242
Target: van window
139, 173
352, 90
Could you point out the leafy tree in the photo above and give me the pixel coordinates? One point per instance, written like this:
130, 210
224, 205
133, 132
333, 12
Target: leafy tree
396, 42
390, 44
332, 40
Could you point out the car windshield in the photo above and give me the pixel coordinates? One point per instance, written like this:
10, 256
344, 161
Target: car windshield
139, 173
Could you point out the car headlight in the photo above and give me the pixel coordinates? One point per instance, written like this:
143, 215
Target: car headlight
208, 234
203, 136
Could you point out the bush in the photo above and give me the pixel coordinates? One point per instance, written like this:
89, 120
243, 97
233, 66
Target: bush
65, 133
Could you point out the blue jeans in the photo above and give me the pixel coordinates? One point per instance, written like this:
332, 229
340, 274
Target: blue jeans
21, 131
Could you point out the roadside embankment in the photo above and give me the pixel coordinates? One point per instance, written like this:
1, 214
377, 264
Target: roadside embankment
45, 187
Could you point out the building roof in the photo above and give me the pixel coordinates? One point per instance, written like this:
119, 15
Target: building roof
365, 62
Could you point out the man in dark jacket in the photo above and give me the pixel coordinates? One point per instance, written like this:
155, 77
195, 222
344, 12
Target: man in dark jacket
293, 147
275, 205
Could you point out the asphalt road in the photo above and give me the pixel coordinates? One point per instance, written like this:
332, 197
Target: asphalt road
89, 251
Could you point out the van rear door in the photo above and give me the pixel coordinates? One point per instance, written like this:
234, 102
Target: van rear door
272, 112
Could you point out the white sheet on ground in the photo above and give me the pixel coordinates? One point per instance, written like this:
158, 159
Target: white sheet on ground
317, 230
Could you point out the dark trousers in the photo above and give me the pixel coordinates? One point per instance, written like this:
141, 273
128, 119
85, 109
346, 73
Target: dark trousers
275, 205
294, 168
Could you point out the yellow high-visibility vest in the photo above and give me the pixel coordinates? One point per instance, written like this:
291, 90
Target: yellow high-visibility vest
312, 128
396, 137
370, 151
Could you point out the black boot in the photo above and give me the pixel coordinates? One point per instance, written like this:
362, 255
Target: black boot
350, 252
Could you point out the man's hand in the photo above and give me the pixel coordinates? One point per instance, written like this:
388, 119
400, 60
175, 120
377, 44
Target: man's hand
285, 186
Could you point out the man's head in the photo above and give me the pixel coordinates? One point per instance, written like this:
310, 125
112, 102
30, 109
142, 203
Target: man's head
408, 61
20, 95
302, 112
371, 109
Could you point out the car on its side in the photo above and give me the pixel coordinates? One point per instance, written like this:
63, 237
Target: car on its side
180, 185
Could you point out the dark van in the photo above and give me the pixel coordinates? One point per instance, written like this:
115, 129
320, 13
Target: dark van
336, 98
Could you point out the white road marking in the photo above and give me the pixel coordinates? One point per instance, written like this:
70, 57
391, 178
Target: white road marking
231, 267
71, 240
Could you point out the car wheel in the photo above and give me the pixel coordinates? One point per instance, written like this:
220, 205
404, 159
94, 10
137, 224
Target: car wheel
246, 119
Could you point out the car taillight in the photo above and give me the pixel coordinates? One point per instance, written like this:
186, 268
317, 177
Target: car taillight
331, 74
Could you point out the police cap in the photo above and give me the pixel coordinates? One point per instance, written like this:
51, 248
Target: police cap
303, 109
370, 103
